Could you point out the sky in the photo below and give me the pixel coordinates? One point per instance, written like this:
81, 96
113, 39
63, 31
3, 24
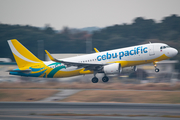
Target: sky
84, 13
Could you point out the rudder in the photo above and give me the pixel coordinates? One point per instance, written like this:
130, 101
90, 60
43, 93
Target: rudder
21, 54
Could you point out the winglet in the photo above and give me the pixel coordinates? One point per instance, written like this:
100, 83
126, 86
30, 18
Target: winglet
96, 50
50, 56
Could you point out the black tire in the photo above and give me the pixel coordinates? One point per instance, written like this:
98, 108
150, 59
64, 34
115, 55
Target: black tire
157, 70
105, 79
94, 80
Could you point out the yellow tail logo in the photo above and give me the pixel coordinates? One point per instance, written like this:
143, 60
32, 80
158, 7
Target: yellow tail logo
22, 55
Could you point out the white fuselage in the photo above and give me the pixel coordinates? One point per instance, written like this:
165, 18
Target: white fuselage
135, 55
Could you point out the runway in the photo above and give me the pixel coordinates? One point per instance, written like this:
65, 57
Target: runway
36, 110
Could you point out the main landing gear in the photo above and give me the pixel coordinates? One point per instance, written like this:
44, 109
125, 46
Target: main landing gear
95, 79
105, 79
156, 69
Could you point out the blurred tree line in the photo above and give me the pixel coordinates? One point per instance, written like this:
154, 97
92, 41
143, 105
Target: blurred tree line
74, 41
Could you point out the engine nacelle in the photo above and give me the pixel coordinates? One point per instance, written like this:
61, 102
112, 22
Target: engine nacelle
113, 68
129, 69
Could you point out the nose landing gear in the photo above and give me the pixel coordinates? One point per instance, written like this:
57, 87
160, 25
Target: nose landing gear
156, 69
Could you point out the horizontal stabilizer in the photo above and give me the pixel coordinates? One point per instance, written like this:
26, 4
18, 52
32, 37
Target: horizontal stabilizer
22, 71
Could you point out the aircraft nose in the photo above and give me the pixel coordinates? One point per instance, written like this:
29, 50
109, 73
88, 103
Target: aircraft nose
173, 52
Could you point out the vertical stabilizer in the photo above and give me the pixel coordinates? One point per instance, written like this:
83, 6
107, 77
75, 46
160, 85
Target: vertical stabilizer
22, 55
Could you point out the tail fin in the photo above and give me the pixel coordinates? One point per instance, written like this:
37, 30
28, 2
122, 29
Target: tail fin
22, 55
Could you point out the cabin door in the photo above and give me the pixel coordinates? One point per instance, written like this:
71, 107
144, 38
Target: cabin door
151, 50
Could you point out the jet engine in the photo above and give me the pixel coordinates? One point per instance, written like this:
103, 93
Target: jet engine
113, 68
129, 69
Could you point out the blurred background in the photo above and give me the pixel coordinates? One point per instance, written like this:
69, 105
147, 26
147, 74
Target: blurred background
70, 42
69, 28
72, 28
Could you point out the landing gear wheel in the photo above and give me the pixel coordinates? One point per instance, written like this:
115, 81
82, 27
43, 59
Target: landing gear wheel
105, 79
94, 79
157, 70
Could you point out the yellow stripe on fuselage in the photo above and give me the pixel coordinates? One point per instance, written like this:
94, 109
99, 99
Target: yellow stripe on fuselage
133, 63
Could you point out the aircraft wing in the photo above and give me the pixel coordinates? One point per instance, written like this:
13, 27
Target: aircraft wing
87, 66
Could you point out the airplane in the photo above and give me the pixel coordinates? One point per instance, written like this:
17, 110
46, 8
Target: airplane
106, 62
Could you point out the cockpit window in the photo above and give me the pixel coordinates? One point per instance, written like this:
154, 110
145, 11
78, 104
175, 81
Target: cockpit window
164, 47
